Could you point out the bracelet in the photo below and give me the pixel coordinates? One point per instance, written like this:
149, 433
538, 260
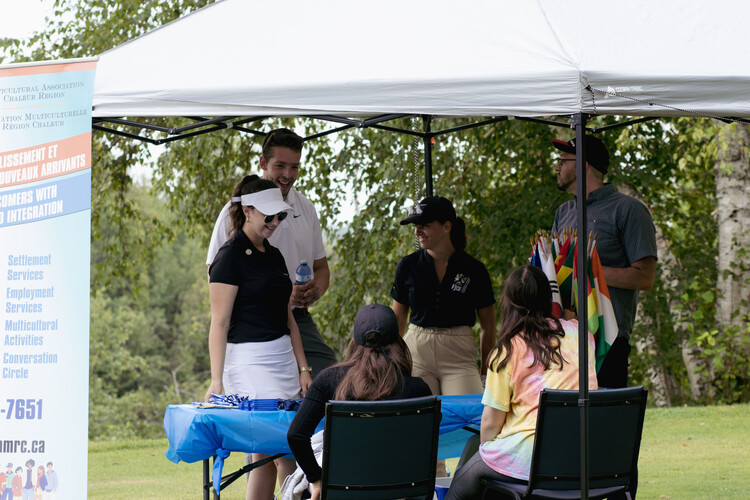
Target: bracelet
305, 369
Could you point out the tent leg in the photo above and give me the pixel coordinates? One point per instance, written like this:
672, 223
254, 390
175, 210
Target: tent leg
579, 123
427, 137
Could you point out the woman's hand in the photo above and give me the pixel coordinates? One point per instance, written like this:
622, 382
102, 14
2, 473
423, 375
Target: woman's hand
315, 490
569, 314
214, 388
305, 379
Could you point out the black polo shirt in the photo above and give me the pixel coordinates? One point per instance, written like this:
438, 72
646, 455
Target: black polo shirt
465, 288
260, 312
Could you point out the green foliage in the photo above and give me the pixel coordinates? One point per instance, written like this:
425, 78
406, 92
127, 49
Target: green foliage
725, 350
670, 164
150, 313
113, 367
500, 179
148, 329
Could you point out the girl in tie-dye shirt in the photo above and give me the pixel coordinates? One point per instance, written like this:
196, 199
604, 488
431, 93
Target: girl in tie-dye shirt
534, 351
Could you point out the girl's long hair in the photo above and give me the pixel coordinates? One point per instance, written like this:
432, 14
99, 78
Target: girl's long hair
374, 372
248, 184
527, 312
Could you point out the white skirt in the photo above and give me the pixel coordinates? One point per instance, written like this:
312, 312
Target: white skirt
262, 370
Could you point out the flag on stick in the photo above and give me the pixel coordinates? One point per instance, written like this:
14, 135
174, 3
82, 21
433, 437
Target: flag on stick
607, 322
565, 272
559, 262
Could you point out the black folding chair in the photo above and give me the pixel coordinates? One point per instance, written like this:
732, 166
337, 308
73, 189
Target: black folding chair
615, 426
380, 450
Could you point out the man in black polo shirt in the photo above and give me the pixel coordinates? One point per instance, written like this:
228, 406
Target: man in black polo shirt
626, 242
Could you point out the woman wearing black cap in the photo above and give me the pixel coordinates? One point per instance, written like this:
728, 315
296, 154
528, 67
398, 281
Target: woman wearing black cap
377, 366
446, 289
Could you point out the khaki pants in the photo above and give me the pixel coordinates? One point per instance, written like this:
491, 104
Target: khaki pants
445, 358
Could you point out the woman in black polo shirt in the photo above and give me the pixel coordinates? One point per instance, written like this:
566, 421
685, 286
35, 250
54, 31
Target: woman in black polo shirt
253, 342
446, 289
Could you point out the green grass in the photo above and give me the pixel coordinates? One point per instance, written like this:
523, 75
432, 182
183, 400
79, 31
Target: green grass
695, 452
137, 469
687, 453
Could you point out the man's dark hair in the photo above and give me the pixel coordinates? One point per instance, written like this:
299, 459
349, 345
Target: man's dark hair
283, 138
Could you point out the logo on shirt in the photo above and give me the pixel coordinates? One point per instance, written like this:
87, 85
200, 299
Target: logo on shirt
460, 283
295, 216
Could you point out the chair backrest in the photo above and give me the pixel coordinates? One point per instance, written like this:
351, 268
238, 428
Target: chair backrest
615, 425
374, 450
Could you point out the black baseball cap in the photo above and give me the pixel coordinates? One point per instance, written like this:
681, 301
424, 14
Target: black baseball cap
379, 321
595, 150
430, 209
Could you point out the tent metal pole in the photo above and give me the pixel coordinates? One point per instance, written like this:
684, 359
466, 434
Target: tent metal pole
328, 132
623, 124
398, 130
125, 134
470, 126
427, 138
579, 123
541, 121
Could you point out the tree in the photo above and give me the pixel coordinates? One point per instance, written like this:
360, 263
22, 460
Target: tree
148, 336
499, 177
731, 348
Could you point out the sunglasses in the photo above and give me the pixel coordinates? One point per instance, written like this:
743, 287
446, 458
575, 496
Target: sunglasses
281, 216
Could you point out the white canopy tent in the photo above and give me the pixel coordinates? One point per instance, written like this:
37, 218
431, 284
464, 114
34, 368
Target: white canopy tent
437, 57
528, 58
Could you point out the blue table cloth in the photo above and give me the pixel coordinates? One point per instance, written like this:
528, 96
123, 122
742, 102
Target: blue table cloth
196, 434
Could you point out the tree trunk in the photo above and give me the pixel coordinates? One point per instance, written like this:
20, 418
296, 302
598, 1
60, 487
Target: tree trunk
657, 375
733, 218
733, 266
663, 381
680, 314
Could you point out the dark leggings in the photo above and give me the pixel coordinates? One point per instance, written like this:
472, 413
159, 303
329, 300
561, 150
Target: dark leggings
466, 485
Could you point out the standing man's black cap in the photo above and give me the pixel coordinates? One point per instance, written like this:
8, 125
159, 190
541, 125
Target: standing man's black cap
595, 150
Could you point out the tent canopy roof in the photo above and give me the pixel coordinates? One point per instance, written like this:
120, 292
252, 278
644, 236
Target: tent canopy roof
439, 57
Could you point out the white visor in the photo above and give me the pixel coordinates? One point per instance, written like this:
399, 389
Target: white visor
268, 202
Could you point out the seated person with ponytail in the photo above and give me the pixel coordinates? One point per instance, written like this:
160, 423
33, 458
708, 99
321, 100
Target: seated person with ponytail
377, 367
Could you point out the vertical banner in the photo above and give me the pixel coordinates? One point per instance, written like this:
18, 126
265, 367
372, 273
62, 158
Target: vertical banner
45, 233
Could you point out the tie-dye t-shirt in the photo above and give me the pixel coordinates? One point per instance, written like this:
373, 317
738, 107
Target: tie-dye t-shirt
515, 389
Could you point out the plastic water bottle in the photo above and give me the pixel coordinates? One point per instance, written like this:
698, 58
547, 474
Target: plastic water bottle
303, 273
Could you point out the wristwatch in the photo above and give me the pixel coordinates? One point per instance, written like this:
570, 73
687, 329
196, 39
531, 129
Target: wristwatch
305, 369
